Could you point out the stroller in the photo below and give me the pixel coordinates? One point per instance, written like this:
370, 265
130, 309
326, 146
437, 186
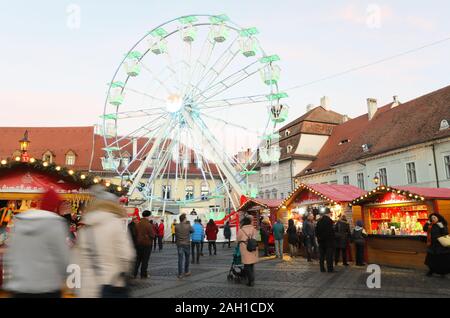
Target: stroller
236, 273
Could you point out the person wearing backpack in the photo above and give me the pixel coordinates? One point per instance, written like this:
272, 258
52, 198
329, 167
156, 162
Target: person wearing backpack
248, 246
358, 237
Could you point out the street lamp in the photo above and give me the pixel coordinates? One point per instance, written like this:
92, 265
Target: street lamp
24, 144
377, 178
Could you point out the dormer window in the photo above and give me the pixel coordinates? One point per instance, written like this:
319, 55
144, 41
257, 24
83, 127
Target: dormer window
309, 170
70, 158
444, 125
289, 148
287, 133
344, 141
48, 156
126, 157
366, 147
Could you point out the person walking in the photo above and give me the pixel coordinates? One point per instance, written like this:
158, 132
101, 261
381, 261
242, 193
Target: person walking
342, 234
359, 239
155, 230
203, 240
160, 235
309, 236
292, 238
278, 234
183, 231
249, 258
144, 238
105, 249
211, 235
172, 229
227, 234
438, 256
325, 236
197, 237
132, 231
37, 255
265, 230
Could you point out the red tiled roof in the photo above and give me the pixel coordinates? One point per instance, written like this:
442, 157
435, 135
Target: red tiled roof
59, 140
80, 140
408, 124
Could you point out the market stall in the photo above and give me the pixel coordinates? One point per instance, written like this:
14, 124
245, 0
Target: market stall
394, 217
314, 198
259, 208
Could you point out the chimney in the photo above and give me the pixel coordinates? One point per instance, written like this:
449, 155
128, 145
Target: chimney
396, 102
135, 148
371, 107
310, 107
325, 102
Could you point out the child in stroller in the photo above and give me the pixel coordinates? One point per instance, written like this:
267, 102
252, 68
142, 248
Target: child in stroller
236, 272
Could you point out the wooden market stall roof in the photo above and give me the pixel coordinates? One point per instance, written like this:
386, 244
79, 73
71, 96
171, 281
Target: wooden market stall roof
411, 193
264, 203
333, 193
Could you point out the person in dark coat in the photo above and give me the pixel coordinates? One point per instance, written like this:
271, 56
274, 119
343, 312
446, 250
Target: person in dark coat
145, 235
155, 229
292, 238
227, 234
327, 241
343, 234
359, 238
438, 256
211, 235
132, 230
309, 236
265, 231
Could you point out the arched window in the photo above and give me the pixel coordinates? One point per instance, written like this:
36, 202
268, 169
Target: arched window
289, 148
444, 125
189, 191
267, 194
48, 156
204, 191
126, 157
70, 158
287, 133
274, 193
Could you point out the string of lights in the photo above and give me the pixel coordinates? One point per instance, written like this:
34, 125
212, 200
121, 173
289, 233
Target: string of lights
357, 68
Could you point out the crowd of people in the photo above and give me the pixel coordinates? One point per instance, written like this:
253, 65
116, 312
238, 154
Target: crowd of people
42, 246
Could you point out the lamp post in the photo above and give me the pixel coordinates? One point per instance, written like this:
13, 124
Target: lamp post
377, 178
24, 144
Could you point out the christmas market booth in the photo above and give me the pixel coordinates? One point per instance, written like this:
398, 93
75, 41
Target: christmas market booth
394, 217
259, 208
314, 198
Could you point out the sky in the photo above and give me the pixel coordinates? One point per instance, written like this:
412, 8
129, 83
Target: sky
57, 56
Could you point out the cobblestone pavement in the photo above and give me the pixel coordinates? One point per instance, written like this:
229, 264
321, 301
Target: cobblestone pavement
279, 278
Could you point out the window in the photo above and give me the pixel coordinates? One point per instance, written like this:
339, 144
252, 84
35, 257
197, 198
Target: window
287, 133
204, 192
289, 148
70, 158
282, 195
411, 172
166, 192
360, 178
447, 166
383, 176
189, 192
274, 194
346, 180
267, 194
48, 156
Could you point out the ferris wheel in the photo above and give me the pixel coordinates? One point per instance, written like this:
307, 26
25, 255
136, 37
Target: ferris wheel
186, 98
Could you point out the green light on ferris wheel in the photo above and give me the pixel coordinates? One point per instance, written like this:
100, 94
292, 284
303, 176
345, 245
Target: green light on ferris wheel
188, 20
248, 32
159, 32
219, 19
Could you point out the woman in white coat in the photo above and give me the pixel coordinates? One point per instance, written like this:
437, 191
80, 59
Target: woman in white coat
104, 248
